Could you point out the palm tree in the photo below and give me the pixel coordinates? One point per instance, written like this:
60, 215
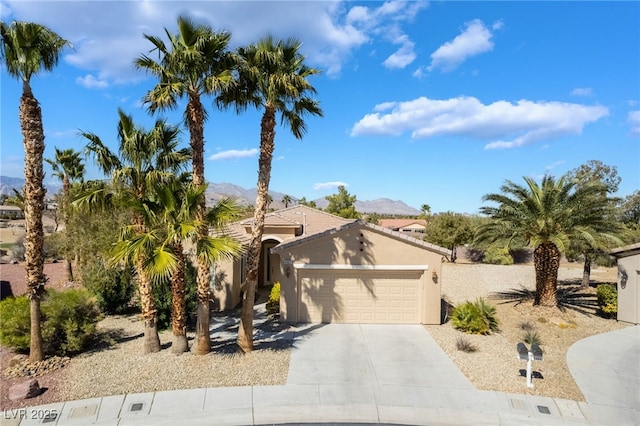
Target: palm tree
146, 158
26, 50
67, 166
286, 199
546, 217
274, 78
195, 63
171, 224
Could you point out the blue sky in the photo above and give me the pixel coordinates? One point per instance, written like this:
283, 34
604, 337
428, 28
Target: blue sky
435, 103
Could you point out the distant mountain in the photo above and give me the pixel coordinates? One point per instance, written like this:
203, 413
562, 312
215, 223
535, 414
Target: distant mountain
247, 197
8, 184
380, 206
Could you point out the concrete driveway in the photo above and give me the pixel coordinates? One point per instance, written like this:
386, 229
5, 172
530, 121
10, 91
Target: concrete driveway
371, 354
606, 368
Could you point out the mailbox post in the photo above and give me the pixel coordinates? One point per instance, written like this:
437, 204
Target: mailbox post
529, 355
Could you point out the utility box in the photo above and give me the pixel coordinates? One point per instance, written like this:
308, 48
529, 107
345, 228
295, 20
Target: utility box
628, 282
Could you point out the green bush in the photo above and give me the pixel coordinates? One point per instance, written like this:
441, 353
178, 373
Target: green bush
273, 304
69, 321
532, 337
162, 298
14, 323
113, 287
608, 299
496, 255
475, 317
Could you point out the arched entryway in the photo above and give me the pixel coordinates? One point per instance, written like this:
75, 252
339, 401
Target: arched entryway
266, 272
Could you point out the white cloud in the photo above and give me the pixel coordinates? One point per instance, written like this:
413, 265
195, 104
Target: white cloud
473, 40
503, 124
554, 165
108, 36
403, 56
329, 185
634, 120
90, 82
582, 91
234, 153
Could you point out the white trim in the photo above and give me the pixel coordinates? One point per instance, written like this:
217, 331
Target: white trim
361, 267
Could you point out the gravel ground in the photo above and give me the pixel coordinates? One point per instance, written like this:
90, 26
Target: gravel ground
91, 374
495, 366
116, 365
119, 367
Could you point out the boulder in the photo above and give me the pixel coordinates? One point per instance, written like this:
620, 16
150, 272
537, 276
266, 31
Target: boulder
24, 390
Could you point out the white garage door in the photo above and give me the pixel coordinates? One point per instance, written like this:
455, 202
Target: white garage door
385, 297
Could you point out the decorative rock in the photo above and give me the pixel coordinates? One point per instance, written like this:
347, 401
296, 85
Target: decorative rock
24, 390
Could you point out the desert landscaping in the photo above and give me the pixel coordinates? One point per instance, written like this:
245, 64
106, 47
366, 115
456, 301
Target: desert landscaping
492, 366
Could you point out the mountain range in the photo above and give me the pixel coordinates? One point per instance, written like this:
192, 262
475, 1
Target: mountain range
216, 191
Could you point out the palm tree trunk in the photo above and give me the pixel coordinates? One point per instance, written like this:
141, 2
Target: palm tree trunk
151, 341
267, 137
546, 260
195, 120
178, 308
33, 140
67, 215
586, 271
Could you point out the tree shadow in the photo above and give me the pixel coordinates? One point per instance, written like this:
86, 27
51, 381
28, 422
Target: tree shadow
569, 295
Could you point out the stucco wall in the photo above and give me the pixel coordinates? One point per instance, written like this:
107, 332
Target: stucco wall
360, 246
629, 289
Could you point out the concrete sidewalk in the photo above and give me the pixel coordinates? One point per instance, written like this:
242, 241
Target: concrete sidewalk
366, 374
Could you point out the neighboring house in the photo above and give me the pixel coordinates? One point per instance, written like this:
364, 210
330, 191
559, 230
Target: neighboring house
410, 226
339, 270
11, 212
628, 282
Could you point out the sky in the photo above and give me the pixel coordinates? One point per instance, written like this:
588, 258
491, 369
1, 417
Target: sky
434, 103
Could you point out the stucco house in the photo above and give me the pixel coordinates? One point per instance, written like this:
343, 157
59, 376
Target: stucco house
338, 270
411, 226
628, 282
11, 212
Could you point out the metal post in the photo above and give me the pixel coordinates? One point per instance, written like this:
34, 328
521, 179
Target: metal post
529, 368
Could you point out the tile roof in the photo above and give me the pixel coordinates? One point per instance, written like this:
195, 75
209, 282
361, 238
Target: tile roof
401, 223
312, 221
394, 234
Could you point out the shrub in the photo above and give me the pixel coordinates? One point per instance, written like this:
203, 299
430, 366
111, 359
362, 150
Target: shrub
14, 323
496, 255
464, 345
607, 295
532, 337
475, 317
18, 250
162, 298
69, 321
113, 287
526, 326
273, 304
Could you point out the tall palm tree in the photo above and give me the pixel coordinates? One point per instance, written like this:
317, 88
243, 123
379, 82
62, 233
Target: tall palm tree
195, 63
145, 158
26, 50
274, 78
286, 199
67, 166
546, 217
172, 225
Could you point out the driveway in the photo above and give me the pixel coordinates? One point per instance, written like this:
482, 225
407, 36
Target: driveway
368, 354
606, 368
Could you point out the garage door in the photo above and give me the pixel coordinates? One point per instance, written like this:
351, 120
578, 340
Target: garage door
385, 297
